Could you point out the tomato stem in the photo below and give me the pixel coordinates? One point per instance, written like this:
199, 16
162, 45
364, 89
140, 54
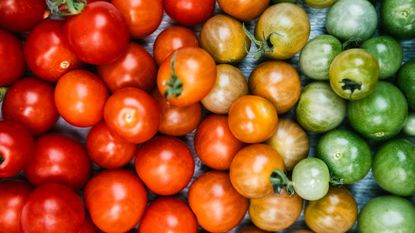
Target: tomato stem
3, 91
66, 7
1, 159
337, 181
280, 181
261, 46
352, 43
174, 84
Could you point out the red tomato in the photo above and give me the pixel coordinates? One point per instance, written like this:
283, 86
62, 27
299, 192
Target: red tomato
142, 16
173, 38
13, 195
80, 97
215, 144
168, 215
16, 148
52, 208
47, 51
165, 165
189, 12
11, 57
107, 149
99, 35
136, 68
132, 114
21, 15
88, 227
116, 200
30, 102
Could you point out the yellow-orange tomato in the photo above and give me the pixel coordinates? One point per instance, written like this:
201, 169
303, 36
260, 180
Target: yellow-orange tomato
252, 229
244, 10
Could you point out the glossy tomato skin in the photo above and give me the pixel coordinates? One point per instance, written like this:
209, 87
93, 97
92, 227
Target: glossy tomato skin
52, 208
398, 18
30, 101
99, 35
189, 12
21, 15
319, 4
243, 10
136, 68
13, 195
88, 227
16, 148
406, 82
217, 205
165, 165
102, 196
132, 114
80, 97
168, 215
11, 58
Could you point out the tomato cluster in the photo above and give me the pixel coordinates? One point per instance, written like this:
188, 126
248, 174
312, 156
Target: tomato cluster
279, 143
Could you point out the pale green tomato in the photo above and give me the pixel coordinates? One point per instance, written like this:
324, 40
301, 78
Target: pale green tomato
409, 127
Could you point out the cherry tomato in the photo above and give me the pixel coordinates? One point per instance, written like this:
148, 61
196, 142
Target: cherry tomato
217, 205
99, 35
115, 199
320, 4
80, 97
168, 215
30, 102
21, 15
132, 114
189, 12
251, 229
11, 57
88, 227
16, 148
136, 68
52, 208
244, 10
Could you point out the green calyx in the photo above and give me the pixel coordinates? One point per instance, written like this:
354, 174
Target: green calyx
1, 159
66, 7
174, 84
3, 91
352, 43
280, 181
262, 47
336, 181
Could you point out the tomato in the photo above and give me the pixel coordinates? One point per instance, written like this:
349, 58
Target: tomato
223, 37
251, 229
21, 15
214, 143
177, 121
142, 16
52, 208
217, 205
243, 10
187, 76
168, 215
319, 108
136, 68
317, 55
189, 12
12, 62
230, 85
291, 142
13, 195
409, 127
115, 199
165, 165
108, 150
275, 212
88, 227
16, 148
132, 114
381, 115
320, 3
47, 51
99, 35
80, 97
278, 82
398, 18
252, 119
406, 82
387, 214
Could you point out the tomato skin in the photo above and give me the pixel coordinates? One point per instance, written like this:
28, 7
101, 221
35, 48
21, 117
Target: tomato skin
168, 215
30, 101
165, 165
11, 58
189, 12
103, 36
251, 229
243, 10
21, 15
132, 114
102, 195
320, 3
406, 82
88, 226
52, 208
409, 128
398, 18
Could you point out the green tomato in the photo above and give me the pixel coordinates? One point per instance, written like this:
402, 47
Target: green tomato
311, 179
320, 3
406, 81
387, 214
394, 167
354, 74
409, 127
388, 52
398, 18
347, 155
317, 56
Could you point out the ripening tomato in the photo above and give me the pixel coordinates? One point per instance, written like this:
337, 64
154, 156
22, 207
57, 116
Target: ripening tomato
88, 227
11, 57
244, 10
189, 12
21, 15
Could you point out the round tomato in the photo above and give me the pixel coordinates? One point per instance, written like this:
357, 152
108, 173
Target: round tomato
189, 12
165, 165
244, 10
12, 62
398, 18
406, 82
409, 127
320, 3
88, 227
21, 15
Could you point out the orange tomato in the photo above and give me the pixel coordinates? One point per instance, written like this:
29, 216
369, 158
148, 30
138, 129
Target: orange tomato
244, 10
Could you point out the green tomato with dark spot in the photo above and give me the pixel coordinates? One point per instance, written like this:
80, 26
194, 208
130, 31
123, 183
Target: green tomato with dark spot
406, 82
398, 18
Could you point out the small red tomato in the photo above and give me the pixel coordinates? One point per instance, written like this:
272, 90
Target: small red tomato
80, 97
31, 102
11, 57
16, 148
21, 15
116, 200
52, 208
88, 227
132, 114
136, 68
13, 195
58, 158
189, 12
168, 215
165, 165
